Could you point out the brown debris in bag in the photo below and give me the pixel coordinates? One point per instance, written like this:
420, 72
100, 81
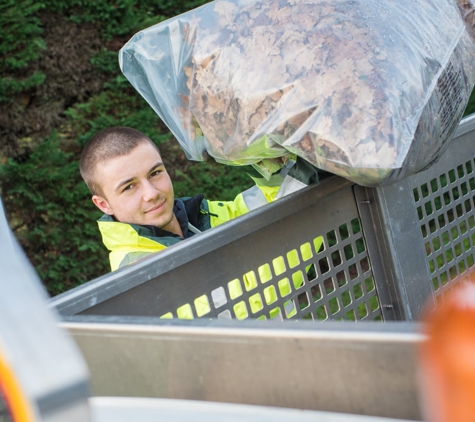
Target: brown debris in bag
279, 46
309, 74
276, 39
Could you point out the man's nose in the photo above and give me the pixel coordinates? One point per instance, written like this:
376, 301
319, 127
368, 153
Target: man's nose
150, 192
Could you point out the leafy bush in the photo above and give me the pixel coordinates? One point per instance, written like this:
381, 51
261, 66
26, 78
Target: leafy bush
69, 92
471, 105
20, 44
52, 216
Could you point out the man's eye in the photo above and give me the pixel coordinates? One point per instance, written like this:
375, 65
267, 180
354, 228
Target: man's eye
128, 187
155, 173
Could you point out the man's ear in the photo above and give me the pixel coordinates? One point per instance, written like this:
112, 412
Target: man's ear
102, 204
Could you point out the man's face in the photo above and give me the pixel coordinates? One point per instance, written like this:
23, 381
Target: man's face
137, 189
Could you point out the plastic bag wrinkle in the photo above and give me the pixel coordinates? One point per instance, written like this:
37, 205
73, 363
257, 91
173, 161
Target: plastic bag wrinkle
369, 90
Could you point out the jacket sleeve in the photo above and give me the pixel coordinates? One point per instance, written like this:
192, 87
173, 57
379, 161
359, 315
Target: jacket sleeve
263, 192
290, 177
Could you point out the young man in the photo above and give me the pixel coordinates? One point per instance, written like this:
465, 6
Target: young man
129, 183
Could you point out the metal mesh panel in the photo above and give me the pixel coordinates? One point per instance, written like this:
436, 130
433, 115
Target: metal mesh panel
303, 257
327, 277
445, 208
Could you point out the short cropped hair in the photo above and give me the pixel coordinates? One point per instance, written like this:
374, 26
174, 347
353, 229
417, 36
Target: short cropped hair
106, 144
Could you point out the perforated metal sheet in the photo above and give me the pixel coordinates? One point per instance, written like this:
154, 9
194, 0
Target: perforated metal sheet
445, 205
303, 257
311, 264
324, 277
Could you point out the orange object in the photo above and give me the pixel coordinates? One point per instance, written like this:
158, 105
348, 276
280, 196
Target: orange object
447, 358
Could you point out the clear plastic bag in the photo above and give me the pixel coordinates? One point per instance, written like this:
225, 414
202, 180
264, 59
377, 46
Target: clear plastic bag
370, 90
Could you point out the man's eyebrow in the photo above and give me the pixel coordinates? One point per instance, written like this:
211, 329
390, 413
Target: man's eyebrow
123, 183
157, 164
127, 181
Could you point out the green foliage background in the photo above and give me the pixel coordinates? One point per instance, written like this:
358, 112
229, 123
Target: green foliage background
59, 84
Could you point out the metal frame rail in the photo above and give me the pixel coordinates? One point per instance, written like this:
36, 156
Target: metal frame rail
43, 376
354, 369
334, 251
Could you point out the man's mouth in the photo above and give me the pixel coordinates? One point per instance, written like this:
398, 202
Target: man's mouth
155, 208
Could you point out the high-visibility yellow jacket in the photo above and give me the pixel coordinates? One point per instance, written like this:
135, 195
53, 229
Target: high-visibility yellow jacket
128, 243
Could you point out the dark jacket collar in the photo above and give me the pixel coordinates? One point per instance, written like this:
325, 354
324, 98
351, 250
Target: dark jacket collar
185, 209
